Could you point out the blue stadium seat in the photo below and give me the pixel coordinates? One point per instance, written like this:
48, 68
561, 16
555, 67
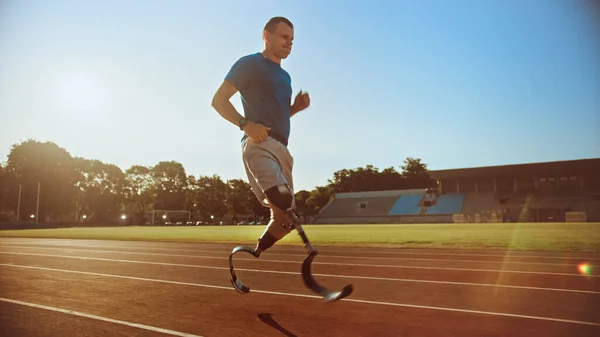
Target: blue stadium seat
447, 204
352, 207
407, 205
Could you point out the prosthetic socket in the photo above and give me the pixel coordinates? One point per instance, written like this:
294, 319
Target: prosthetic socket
281, 197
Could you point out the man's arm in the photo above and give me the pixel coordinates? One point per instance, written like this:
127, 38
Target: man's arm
293, 110
221, 102
301, 102
236, 79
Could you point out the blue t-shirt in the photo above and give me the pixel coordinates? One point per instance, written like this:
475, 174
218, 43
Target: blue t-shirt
266, 91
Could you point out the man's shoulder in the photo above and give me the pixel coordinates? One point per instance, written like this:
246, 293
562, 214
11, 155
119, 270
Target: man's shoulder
249, 59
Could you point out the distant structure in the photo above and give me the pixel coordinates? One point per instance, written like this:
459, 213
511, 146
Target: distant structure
562, 191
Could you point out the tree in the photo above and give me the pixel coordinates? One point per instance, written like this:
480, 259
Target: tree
342, 181
366, 179
71, 185
32, 162
369, 178
392, 179
140, 189
239, 194
416, 174
413, 168
301, 198
101, 188
190, 191
210, 196
319, 197
257, 209
6, 195
171, 182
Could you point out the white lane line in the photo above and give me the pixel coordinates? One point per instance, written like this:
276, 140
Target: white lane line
286, 248
509, 254
478, 312
327, 250
315, 274
322, 255
326, 263
100, 318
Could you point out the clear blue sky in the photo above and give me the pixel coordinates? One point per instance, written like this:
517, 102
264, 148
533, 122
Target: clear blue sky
456, 83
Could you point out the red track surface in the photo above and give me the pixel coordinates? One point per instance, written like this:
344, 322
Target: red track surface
185, 288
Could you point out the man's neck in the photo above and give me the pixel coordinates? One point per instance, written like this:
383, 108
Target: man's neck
267, 54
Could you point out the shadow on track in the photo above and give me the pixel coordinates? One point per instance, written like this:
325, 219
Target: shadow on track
267, 319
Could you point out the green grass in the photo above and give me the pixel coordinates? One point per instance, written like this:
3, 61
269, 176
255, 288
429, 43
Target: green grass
518, 236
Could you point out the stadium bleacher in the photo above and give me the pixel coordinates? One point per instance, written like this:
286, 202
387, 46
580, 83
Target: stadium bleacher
450, 203
406, 205
344, 207
371, 205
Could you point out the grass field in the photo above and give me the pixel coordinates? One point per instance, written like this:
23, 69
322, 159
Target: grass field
517, 236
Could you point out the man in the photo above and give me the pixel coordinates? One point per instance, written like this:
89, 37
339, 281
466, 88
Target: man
266, 91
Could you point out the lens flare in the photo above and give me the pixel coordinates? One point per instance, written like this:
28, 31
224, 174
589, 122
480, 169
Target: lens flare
584, 268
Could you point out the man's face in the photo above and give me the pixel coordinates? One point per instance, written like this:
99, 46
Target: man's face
280, 41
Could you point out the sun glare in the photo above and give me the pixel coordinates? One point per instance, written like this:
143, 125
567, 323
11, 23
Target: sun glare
584, 268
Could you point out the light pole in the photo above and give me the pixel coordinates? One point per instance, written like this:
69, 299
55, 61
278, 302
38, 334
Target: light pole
19, 202
37, 209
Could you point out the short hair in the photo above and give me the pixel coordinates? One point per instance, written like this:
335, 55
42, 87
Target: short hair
274, 21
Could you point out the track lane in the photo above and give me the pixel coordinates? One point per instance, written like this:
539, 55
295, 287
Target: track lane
294, 271
497, 260
517, 267
450, 321
21, 319
517, 301
502, 277
226, 313
384, 253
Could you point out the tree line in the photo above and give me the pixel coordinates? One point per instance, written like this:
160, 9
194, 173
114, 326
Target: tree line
72, 186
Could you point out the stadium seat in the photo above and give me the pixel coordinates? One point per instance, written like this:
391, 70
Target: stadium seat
407, 205
343, 207
447, 204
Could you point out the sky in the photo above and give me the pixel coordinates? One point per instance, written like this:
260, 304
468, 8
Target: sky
461, 83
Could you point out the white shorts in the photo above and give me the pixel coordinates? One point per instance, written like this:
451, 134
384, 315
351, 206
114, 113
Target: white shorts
268, 164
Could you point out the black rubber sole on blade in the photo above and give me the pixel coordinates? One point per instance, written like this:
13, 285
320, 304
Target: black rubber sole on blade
336, 296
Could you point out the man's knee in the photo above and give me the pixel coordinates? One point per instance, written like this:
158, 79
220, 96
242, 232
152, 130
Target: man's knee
281, 197
281, 200
275, 231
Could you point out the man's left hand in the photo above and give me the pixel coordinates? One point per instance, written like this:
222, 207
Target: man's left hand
301, 102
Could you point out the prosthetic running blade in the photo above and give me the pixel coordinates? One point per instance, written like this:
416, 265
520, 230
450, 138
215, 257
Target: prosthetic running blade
307, 277
311, 283
235, 281
309, 280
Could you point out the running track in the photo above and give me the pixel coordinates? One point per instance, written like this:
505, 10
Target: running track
112, 288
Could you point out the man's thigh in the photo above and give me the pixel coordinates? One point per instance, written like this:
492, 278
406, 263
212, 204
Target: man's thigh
265, 164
